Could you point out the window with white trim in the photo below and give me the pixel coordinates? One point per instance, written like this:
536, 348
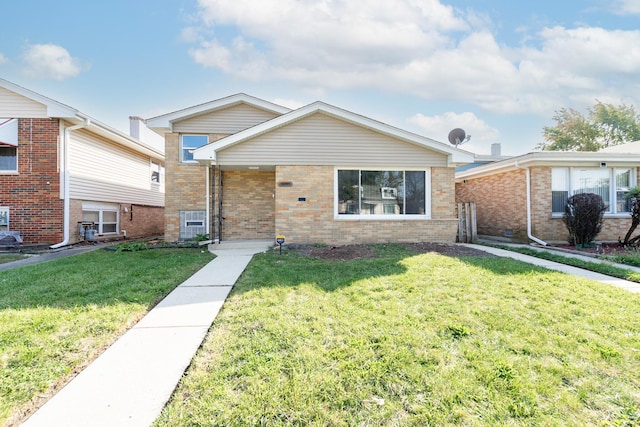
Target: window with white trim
188, 143
8, 145
104, 217
382, 193
4, 218
157, 172
612, 184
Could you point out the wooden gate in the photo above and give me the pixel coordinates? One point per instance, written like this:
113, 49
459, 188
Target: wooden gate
467, 229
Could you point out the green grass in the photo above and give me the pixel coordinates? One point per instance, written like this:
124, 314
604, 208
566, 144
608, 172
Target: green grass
415, 340
603, 268
57, 316
631, 257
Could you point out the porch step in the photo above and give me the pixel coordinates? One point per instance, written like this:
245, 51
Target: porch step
237, 247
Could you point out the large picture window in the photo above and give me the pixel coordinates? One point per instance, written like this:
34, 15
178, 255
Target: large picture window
188, 143
612, 184
382, 193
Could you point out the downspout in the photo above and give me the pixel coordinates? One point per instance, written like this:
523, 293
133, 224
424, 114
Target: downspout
207, 201
528, 180
65, 157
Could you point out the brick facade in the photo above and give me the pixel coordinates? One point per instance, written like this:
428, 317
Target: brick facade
312, 220
248, 205
254, 206
184, 187
138, 221
33, 195
502, 211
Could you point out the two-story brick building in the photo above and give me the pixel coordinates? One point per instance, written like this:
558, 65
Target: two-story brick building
243, 168
60, 168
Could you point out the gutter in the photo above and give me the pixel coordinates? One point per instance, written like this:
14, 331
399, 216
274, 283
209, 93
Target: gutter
528, 178
65, 155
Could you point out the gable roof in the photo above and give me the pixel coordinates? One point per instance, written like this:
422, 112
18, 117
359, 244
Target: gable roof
164, 123
455, 155
54, 108
59, 110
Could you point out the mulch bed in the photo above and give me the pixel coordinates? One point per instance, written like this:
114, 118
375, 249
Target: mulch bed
350, 252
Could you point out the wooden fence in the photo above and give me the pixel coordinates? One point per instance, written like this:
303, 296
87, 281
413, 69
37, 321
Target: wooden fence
467, 229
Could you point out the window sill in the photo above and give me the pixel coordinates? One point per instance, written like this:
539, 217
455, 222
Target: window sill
344, 217
8, 172
607, 215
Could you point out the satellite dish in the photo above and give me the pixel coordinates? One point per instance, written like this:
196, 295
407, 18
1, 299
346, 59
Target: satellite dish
457, 136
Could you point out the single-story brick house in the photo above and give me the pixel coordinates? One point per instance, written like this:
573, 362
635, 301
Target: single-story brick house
60, 169
523, 197
242, 168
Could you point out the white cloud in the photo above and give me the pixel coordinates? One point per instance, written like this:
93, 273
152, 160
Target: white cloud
50, 61
439, 126
417, 47
3, 59
626, 7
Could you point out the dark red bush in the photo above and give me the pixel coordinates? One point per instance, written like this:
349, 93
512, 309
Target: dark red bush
583, 216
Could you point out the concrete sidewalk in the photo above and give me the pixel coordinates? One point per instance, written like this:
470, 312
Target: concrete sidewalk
621, 283
129, 384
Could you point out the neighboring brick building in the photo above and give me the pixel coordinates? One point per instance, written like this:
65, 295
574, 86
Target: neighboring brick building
60, 168
500, 190
242, 168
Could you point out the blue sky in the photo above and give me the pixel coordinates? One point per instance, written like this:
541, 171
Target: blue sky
497, 68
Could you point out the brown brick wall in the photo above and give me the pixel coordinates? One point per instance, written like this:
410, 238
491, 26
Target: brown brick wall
36, 210
501, 205
248, 205
146, 221
312, 220
141, 220
184, 187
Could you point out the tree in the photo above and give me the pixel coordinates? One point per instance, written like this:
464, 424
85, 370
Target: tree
605, 125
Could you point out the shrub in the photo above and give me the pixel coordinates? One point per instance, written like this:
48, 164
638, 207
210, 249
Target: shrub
583, 216
131, 247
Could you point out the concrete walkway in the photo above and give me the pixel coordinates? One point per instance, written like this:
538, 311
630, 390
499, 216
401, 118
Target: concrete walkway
129, 384
621, 283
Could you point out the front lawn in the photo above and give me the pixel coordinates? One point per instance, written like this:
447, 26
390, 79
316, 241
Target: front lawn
57, 316
414, 339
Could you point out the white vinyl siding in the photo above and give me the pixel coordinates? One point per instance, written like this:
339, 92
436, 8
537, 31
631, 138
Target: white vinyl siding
17, 106
225, 121
323, 140
101, 170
